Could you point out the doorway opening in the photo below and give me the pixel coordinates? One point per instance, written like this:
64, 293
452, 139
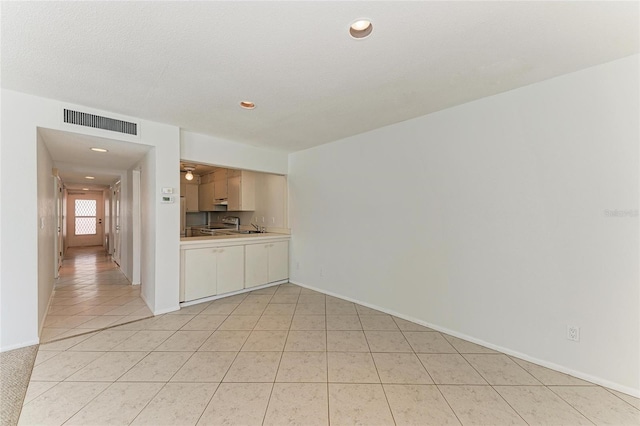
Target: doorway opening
94, 209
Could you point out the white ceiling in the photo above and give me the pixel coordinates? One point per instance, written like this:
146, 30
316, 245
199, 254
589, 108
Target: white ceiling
71, 153
190, 63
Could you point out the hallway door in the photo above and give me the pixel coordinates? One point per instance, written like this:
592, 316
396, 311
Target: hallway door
115, 217
85, 219
59, 241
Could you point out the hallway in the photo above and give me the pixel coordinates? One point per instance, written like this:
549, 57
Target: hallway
91, 294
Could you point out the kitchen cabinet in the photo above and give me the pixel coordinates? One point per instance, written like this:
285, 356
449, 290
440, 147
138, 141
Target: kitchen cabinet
266, 263
206, 197
191, 197
199, 273
220, 190
230, 269
241, 192
256, 270
211, 271
220, 184
278, 261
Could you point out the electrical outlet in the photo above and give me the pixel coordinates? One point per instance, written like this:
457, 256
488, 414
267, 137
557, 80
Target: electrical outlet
297, 265
262, 219
273, 220
321, 272
573, 333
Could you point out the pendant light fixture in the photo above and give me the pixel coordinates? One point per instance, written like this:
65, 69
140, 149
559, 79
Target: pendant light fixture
189, 175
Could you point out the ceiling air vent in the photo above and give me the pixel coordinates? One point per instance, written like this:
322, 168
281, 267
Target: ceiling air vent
98, 122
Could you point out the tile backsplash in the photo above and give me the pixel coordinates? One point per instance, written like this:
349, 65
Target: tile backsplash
194, 219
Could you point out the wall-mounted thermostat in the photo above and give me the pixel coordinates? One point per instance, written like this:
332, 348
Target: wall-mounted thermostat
167, 199
167, 190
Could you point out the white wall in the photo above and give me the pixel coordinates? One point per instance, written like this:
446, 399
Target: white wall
271, 201
46, 229
21, 115
126, 224
136, 227
220, 152
488, 220
18, 222
148, 225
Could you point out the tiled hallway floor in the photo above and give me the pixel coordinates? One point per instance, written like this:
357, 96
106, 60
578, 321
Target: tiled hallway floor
91, 294
287, 355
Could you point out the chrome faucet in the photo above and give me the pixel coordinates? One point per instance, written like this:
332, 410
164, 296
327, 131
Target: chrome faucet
256, 226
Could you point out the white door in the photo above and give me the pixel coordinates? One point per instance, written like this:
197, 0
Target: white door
256, 265
230, 274
116, 223
199, 273
278, 261
85, 219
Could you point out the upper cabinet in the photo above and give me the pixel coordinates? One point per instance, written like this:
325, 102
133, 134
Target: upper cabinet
206, 197
218, 189
220, 184
241, 191
192, 197
189, 190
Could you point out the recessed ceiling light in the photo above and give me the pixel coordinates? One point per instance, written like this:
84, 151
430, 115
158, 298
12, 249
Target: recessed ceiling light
361, 28
99, 150
85, 189
89, 177
247, 105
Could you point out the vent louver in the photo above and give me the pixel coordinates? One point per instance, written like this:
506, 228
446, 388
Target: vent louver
99, 122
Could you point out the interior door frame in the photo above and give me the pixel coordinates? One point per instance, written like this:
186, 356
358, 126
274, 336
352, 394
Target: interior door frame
116, 220
58, 245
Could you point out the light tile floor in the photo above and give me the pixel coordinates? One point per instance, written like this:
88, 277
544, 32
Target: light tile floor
91, 294
287, 355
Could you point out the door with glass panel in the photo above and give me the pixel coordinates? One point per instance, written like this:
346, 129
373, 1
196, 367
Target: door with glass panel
85, 219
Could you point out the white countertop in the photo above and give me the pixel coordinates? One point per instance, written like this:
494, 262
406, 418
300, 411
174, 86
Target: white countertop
237, 238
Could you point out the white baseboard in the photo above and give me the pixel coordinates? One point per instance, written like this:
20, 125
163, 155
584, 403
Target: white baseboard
46, 311
562, 369
233, 293
158, 312
144, 299
166, 310
20, 345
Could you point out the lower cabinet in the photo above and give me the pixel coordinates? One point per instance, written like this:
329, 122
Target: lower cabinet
199, 273
211, 271
230, 272
266, 263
